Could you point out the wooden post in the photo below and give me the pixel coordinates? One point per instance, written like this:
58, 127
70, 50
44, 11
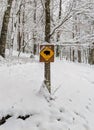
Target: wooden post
47, 56
47, 73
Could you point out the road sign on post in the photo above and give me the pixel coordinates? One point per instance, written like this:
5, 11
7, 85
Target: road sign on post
47, 56
46, 53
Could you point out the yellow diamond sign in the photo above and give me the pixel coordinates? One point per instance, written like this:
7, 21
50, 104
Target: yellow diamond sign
47, 53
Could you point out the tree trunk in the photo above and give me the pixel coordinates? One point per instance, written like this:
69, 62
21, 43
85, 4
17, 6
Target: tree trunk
47, 39
79, 56
57, 50
4, 29
91, 56
47, 21
73, 59
19, 33
34, 32
70, 53
23, 28
58, 33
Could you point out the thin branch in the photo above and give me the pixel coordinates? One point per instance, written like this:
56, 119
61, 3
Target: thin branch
42, 12
68, 16
42, 4
26, 42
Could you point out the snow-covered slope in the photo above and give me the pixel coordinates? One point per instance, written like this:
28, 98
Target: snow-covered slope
21, 95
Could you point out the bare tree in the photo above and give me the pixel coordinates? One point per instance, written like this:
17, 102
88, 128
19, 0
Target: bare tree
4, 29
47, 39
58, 32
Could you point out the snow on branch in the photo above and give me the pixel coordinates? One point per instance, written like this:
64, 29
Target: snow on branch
67, 17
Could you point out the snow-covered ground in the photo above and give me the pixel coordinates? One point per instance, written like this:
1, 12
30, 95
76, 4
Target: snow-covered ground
21, 95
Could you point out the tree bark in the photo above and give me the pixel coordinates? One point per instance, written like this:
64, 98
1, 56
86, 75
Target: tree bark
47, 21
58, 33
47, 39
19, 33
23, 27
91, 56
79, 56
34, 32
4, 29
73, 59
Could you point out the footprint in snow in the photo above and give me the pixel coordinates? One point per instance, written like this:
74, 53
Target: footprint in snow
62, 110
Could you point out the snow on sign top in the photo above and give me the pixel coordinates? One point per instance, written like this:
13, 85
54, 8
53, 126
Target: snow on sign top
46, 53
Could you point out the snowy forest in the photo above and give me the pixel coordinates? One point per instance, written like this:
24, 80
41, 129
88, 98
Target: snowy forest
46, 64
22, 27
